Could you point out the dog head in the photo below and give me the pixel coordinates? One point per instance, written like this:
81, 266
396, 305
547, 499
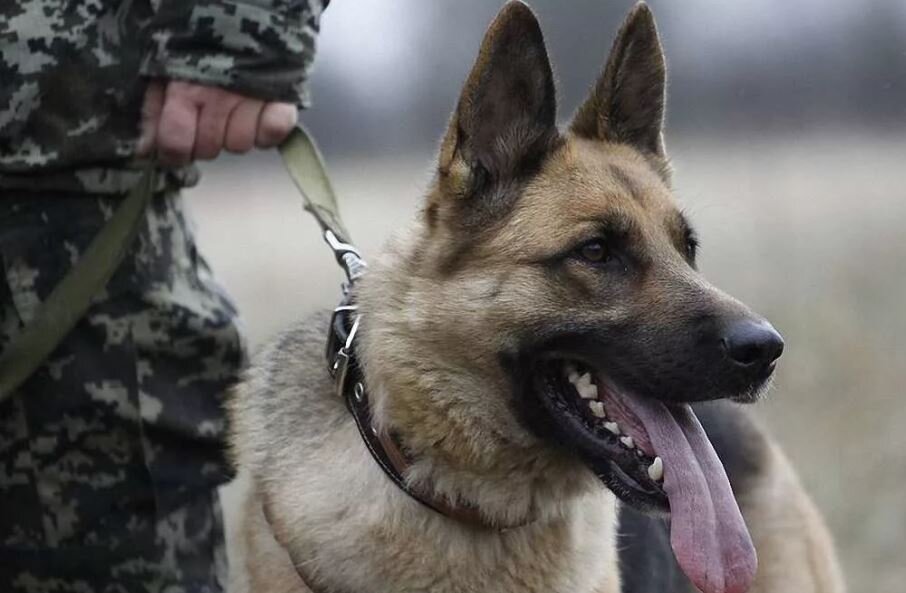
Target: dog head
548, 308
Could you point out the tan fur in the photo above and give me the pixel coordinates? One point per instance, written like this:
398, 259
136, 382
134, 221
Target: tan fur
464, 285
349, 529
459, 327
265, 565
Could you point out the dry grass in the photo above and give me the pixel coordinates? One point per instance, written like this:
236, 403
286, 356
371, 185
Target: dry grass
809, 231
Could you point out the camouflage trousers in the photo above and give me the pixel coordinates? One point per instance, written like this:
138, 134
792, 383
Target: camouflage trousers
111, 453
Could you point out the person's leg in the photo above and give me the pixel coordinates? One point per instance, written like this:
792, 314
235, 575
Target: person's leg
110, 455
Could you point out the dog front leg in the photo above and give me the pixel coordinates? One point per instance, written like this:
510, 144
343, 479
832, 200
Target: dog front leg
264, 566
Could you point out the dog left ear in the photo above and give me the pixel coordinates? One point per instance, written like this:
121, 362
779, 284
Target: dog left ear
504, 122
627, 102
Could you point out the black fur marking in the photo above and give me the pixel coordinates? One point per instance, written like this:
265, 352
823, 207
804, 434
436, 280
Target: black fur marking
647, 564
740, 445
672, 354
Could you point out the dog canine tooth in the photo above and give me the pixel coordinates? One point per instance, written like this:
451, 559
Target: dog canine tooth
597, 408
656, 470
612, 427
627, 442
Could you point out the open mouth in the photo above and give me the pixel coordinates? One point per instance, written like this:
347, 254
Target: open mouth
609, 437
655, 457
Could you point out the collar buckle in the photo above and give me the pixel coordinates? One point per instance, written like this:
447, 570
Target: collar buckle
340, 344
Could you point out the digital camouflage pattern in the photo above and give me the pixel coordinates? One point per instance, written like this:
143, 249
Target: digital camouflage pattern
110, 454
74, 73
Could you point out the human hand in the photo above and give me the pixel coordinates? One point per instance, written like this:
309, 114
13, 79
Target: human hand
184, 121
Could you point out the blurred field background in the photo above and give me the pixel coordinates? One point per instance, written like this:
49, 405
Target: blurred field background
787, 128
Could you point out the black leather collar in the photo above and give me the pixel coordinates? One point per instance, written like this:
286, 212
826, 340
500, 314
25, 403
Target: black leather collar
349, 383
384, 448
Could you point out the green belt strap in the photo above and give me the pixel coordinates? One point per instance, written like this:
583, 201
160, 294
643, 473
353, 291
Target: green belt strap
70, 299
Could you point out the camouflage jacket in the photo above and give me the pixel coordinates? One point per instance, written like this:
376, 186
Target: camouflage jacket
73, 75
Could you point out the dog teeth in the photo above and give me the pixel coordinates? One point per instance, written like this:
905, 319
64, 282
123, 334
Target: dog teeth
583, 380
612, 427
597, 408
627, 442
656, 470
587, 391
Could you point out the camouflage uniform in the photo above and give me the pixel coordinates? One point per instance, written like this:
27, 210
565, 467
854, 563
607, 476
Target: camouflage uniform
111, 453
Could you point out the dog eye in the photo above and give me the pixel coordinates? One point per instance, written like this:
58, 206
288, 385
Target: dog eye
594, 251
691, 246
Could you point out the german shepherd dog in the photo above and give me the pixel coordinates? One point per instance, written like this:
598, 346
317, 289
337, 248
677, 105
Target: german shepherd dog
543, 350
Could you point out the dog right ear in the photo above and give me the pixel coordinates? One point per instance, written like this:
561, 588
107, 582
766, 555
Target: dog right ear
627, 102
505, 121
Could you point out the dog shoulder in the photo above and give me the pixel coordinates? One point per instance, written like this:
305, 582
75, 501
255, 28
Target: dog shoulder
795, 548
263, 564
282, 397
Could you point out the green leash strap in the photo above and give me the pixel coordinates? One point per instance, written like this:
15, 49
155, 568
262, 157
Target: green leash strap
70, 299
306, 167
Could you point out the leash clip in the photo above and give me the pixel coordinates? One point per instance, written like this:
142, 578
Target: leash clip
348, 256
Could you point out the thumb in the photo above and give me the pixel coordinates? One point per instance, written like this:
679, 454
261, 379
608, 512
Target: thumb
275, 123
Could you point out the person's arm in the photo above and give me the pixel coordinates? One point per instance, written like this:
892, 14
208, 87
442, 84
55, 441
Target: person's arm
257, 48
231, 73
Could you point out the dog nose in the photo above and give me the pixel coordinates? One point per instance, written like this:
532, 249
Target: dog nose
752, 343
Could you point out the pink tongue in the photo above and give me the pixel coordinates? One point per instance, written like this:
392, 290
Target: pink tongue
707, 531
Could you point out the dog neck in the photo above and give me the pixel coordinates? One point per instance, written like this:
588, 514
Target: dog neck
340, 518
383, 445
388, 454
448, 413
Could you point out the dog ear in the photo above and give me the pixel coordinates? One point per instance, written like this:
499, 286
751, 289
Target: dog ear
627, 102
505, 121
